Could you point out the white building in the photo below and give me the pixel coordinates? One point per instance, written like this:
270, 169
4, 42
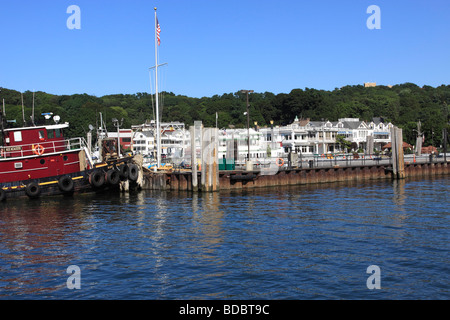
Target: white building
233, 144
175, 139
319, 137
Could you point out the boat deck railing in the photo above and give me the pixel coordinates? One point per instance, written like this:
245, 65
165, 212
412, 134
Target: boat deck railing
41, 148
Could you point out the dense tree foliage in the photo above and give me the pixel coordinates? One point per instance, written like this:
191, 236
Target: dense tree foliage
403, 105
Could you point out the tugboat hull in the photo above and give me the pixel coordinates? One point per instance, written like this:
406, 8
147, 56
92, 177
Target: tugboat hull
101, 178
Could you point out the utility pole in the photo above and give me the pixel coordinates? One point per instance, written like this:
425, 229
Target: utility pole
445, 131
445, 135
248, 128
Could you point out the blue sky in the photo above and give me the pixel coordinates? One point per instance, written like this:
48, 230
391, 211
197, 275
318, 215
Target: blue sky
215, 47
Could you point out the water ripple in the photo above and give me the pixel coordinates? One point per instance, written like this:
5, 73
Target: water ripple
280, 243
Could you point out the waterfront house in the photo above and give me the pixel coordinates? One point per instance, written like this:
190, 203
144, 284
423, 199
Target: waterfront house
303, 137
175, 140
125, 139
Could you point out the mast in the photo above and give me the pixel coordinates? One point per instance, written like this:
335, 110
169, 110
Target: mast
158, 130
32, 112
23, 110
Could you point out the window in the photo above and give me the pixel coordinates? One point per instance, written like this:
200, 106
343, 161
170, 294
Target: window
17, 136
41, 135
50, 134
58, 133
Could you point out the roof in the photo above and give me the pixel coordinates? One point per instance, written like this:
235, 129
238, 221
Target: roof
49, 127
429, 149
352, 124
303, 122
389, 145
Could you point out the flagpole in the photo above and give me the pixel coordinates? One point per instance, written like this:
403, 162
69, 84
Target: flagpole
158, 130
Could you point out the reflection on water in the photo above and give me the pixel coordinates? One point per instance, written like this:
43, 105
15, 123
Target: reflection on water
305, 242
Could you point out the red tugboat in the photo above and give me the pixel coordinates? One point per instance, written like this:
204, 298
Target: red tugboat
38, 161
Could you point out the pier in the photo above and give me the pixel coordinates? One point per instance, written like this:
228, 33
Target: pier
206, 175
242, 179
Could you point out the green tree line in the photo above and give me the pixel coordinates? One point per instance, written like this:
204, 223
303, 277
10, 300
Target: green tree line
403, 105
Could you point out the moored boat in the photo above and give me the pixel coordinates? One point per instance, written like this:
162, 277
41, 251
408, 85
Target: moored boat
37, 161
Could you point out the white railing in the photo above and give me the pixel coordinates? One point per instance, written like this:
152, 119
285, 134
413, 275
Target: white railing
41, 148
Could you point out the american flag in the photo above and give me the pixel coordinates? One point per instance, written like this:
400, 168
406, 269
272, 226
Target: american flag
158, 31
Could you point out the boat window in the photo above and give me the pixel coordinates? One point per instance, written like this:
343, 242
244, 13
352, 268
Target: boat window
50, 134
41, 135
57, 133
17, 136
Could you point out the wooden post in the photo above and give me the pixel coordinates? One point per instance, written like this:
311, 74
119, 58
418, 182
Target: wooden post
394, 151
204, 160
210, 170
398, 161
400, 156
216, 180
193, 159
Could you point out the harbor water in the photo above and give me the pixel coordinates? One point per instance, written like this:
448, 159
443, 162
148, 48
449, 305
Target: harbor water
283, 243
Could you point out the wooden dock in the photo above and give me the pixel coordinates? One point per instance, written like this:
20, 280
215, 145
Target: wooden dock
208, 178
228, 180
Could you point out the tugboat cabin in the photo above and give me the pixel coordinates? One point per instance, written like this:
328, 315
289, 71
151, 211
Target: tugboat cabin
38, 152
32, 141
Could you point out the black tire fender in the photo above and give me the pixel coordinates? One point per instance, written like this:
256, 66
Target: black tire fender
124, 172
113, 177
133, 172
97, 179
33, 190
65, 184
